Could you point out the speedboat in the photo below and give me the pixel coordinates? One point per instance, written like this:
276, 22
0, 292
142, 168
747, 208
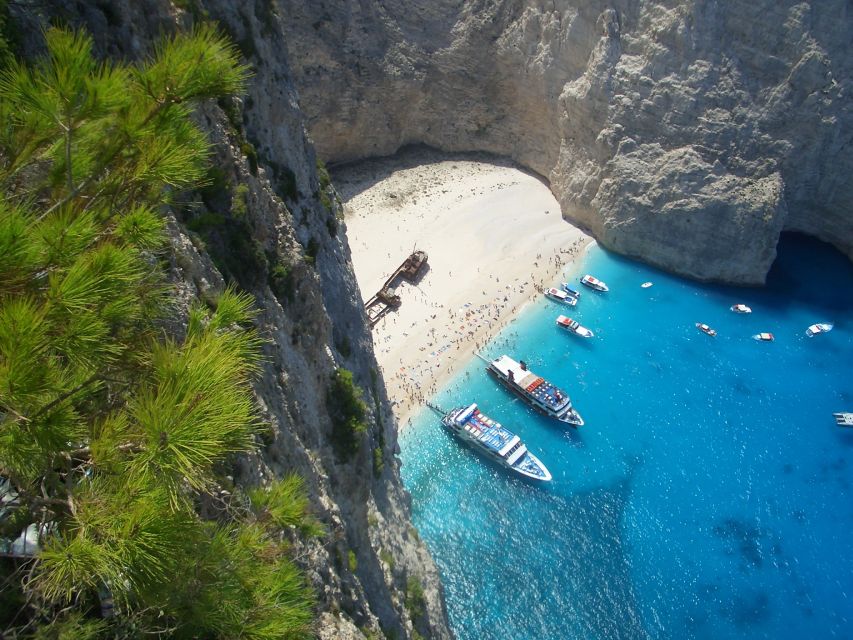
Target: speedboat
764, 337
494, 441
646, 285
594, 283
534, 390
574, 327
704, 328
740, 308
560, 296
570, 291
821, 327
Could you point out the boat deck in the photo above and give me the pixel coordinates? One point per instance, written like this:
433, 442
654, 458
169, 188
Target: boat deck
487, 431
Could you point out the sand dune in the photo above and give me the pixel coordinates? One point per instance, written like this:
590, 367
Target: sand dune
494, 236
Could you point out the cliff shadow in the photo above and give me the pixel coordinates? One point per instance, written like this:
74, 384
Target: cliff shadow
352, 178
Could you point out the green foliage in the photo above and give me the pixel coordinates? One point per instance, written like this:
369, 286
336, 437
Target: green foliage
248, 149
285, 503
110, 430
311, 250
378, 462
240, 201
352, 561
387, 558
348, 412
282, 281
415, 600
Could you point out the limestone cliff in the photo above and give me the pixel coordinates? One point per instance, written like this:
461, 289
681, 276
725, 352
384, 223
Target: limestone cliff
269, 220
686, 133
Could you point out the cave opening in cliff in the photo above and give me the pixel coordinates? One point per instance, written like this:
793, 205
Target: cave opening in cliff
804, 264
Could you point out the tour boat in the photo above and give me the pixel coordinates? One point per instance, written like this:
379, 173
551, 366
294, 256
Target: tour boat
534, 390
574, 327
704, 328
740, 308
560, 296
494, 441
821, 327
594, 283
764, 337
570, 291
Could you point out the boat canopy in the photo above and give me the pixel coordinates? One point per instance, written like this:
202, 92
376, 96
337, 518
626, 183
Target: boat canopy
506, 365
462, 417
516, 455
509, 445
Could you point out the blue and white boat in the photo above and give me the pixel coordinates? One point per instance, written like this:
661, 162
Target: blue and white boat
558, 295
494, 441
572, 292
534, 390
820, 327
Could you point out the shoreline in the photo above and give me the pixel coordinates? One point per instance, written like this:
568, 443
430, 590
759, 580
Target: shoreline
495, 239
414, 391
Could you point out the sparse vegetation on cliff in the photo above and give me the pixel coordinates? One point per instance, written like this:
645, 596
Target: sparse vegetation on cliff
111, 431
348, 413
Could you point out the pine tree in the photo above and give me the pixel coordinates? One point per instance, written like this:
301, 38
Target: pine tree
110, 430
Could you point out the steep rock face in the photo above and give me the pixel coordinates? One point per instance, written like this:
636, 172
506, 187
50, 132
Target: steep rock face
311, 319
688, 134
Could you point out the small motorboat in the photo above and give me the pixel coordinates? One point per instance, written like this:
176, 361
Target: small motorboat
646, 285
594, 283
560, 296
740, 308
843, 418
574, 327
821, 327
570, 291
764, 336
704, 328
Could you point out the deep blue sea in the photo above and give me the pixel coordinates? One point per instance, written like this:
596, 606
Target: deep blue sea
708, 495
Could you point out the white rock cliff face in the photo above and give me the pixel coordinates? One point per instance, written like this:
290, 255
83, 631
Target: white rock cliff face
685, 133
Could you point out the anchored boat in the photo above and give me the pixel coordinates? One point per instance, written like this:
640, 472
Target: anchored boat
843, 418
494, 441
594, 283
534, 390
764, 336
704, 328
740, 308
821, 327
574, 326
560, 296
570, 291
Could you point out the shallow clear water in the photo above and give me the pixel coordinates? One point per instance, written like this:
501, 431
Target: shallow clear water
708, 495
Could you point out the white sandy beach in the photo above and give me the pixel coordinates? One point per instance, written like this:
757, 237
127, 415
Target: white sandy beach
494, 236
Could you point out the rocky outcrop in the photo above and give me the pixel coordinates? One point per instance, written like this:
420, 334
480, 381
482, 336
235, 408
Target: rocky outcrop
688, 134
288, 247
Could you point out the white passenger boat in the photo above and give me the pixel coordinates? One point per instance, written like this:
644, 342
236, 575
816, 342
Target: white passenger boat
764, 336
594, 283
574, 327
821, 327
494, 441
560, 296
534, 390
740, 308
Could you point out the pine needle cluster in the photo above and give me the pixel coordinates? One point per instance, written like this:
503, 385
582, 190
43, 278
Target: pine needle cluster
110, 431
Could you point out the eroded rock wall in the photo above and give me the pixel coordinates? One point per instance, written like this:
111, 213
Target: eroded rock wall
311, 319
686, 133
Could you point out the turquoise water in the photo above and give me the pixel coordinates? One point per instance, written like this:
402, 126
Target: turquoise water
708, 495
